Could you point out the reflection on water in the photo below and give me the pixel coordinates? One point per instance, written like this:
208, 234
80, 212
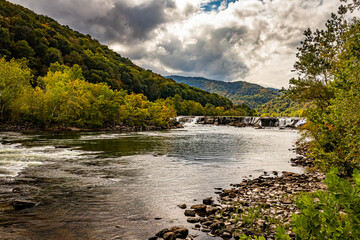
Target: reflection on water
113, 186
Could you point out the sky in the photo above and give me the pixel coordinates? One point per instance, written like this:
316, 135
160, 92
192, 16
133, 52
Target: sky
228, 40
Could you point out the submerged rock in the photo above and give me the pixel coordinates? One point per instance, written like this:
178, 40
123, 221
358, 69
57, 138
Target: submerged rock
22, 204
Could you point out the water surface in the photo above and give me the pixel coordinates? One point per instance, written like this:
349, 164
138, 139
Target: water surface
114, 186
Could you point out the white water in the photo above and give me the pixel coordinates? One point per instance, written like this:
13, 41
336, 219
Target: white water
15, 157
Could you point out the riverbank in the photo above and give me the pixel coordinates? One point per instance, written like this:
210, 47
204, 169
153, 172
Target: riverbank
28, 127
254, 207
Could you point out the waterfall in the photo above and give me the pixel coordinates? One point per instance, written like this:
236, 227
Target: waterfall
192, 121
187, 121
282, 122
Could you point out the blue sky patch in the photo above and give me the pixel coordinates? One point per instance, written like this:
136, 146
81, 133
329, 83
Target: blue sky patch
215, 4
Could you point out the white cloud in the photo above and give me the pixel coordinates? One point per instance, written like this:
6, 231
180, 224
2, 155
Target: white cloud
248, 40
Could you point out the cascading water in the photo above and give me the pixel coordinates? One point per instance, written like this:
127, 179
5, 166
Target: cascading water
192, 121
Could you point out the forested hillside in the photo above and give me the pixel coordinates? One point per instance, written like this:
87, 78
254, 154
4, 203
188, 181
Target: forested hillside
51, 76
42, 41
238, 92
281, 107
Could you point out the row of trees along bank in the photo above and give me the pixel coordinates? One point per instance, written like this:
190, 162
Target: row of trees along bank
63, 97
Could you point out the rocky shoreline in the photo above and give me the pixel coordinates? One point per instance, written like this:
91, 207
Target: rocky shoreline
254, 207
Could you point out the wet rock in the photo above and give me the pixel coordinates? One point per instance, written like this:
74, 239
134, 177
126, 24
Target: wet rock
199, 207
208, 201
22, 204
193, 220
190, 213
162, 232
182, 206
180, 232
169, 236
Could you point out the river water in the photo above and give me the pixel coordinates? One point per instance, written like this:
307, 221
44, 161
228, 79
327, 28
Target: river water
127, 186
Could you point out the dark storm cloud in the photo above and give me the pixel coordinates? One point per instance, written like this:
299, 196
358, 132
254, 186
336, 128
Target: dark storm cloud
108, 21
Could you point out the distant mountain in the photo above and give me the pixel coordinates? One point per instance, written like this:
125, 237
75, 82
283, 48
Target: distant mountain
239, 92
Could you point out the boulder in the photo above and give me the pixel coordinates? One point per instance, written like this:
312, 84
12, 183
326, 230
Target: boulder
180, 232
169, 236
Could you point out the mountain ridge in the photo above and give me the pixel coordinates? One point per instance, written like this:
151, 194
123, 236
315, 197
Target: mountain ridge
238, 92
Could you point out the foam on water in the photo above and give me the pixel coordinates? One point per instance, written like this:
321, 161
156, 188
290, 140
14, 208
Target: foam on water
16, 157
103, 136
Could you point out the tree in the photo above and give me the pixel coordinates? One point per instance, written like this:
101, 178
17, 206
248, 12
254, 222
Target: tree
15, 78
329, 79
22, 49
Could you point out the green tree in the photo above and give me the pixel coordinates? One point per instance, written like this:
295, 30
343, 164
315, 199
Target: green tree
15, 78
328, 68
22, 49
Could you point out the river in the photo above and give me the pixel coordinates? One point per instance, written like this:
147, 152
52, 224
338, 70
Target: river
127, 186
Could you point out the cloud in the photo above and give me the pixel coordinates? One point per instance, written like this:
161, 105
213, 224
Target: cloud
228, 40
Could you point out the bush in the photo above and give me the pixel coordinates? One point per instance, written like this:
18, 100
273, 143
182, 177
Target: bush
330, 214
